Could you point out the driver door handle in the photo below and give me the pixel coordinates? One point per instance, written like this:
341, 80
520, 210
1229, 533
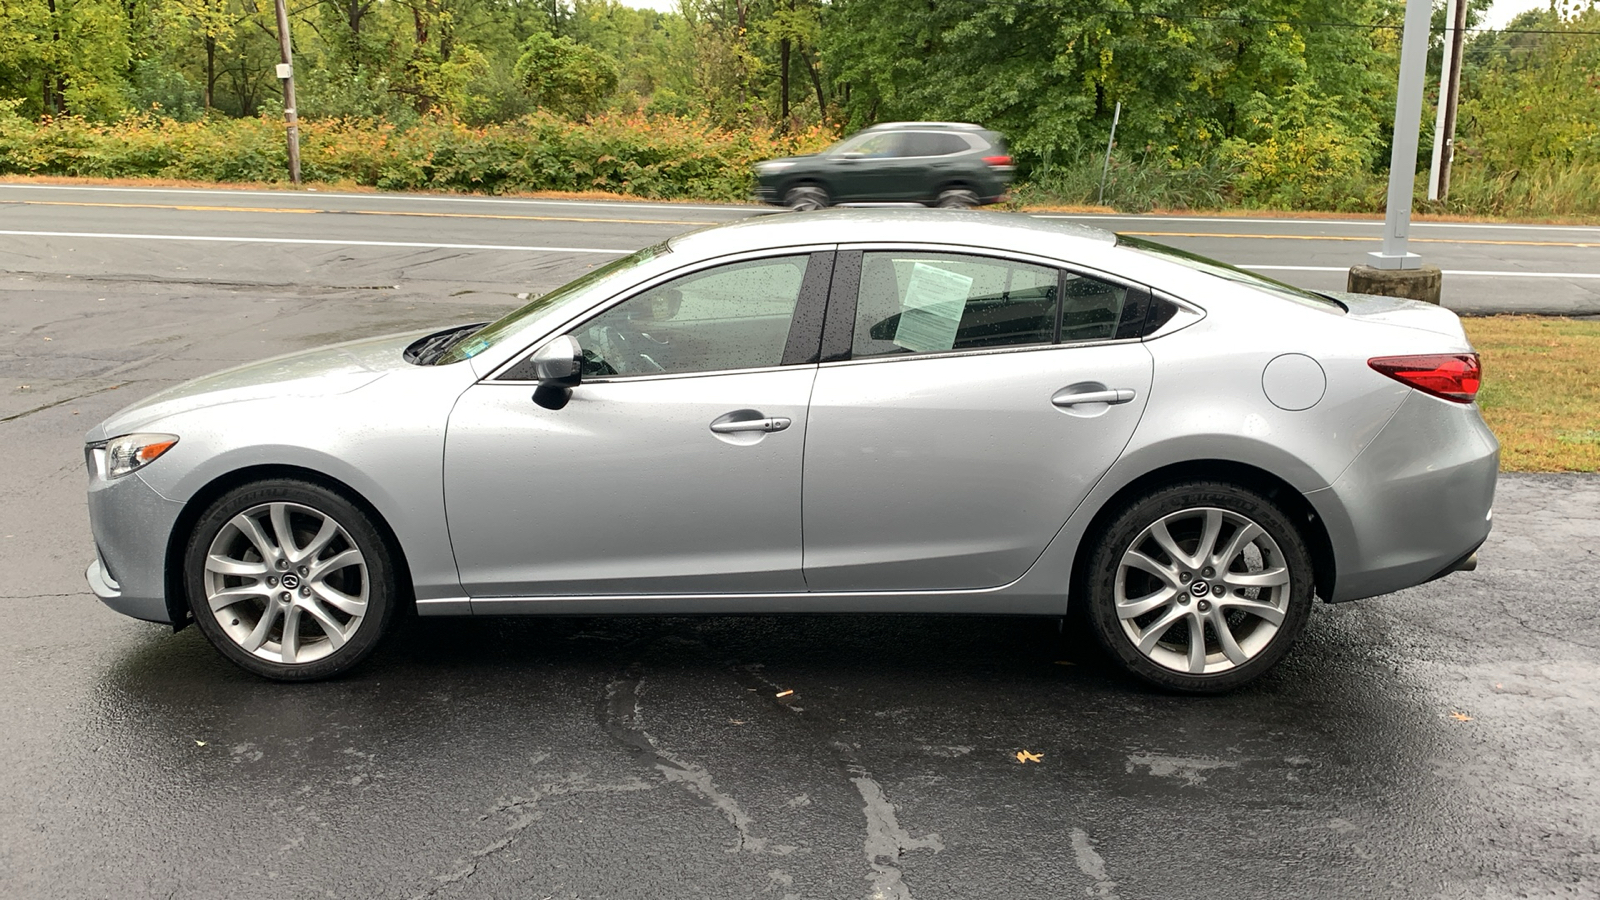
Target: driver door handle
1066, 397
771, 423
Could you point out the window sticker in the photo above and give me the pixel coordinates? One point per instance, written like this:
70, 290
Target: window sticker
931, 311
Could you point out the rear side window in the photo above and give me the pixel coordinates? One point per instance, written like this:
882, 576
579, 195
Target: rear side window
913, 302
924, 143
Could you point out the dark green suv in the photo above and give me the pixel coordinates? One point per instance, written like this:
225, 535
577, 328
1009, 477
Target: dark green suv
948, 164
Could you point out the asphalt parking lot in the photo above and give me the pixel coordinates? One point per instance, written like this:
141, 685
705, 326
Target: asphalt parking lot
1443, 742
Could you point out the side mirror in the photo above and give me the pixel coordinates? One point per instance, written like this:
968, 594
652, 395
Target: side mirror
558, 367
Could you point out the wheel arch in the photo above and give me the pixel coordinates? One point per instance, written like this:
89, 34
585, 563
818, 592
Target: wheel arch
177, 542
1294, 504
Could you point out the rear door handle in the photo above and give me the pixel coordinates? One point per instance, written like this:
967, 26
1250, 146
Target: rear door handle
771, 423
1069, 397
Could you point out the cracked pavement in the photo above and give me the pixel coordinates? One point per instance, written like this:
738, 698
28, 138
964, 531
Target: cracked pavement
1436, 743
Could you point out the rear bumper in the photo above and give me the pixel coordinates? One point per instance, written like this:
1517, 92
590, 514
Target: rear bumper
1415, 504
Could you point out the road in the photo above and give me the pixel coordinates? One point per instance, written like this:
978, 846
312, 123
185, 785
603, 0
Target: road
464, 243
1436, 743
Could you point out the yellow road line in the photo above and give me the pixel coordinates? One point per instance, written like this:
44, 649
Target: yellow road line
1349, 237
353, 212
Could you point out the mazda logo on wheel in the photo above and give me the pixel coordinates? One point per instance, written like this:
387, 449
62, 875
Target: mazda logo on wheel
291, 580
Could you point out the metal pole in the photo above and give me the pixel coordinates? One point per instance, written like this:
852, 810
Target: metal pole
1106, 168
286, 74
1454, 99
1439, 139
1407, 122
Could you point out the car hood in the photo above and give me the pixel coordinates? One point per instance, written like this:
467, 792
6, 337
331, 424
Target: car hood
1399, 311
337, 369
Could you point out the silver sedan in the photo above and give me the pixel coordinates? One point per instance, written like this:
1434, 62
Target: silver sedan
842, 411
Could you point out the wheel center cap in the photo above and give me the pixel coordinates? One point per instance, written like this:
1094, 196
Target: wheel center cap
290, 580
1197, 587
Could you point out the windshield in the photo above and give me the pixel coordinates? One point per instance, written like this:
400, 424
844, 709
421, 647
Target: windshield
476, 342
1231, 273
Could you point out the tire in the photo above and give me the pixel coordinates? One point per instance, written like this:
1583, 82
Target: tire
804, 197
957, 199
336, 573
1145, 602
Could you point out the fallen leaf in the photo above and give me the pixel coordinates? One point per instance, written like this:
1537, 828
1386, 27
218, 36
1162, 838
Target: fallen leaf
785, 693
1460, 717
49, 339
735, 721
1024, 756
199, 743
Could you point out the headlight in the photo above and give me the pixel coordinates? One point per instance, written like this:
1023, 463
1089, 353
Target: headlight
767, 168
132, 452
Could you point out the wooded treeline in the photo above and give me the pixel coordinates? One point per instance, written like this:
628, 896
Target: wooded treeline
1267, 102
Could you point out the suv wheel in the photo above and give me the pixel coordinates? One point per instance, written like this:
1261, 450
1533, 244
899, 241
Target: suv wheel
805, 197
957, 199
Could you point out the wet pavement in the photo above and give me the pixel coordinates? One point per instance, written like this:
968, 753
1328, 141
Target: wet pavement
1442, 742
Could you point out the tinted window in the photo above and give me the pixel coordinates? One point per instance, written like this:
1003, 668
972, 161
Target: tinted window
877, 145
931, 302
923, 143
1090, 309
731, 317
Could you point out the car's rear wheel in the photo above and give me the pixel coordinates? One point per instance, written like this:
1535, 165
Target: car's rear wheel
289, 580
806, 197
957, 199
1199, 587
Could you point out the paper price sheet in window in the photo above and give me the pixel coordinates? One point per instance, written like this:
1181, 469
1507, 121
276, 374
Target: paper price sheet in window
931, 310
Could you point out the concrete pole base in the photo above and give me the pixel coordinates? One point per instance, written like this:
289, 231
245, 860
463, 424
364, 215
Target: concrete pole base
1413, 284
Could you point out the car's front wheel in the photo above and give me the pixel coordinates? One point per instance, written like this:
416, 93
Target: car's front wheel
289, 580
1199, 587
806, 197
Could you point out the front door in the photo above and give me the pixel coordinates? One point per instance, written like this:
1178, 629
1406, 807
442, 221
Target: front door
675, 466
960, 435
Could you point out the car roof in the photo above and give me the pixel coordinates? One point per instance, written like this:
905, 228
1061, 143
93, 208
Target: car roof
980, 229
960, 126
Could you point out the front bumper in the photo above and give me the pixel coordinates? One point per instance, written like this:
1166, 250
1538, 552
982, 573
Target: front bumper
1415, 504
131, 525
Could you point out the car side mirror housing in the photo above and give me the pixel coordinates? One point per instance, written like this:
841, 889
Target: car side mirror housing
558, 366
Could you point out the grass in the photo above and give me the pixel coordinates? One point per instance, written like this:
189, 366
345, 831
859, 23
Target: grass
1541, 390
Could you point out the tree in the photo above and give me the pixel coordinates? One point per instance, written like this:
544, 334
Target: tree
565, 76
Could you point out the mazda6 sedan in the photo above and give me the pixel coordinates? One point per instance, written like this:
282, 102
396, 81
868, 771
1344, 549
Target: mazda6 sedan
845, 411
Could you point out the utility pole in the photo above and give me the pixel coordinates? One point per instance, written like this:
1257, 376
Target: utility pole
1444, 131
286, 75
1110, 142
1393, 271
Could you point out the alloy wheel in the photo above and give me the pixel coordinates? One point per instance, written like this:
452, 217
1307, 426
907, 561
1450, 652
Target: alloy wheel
1202, 591
286, 582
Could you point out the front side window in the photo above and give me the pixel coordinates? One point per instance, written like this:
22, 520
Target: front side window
735, 316
911, 302
873, 145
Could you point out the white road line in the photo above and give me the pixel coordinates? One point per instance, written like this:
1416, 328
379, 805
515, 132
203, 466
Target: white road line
427, 198
1479, 272
1372, 223
322, 241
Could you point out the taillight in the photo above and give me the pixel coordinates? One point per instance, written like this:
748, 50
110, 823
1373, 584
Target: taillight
997, 160
1453, 376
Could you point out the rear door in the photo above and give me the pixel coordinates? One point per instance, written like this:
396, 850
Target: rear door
952, 430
